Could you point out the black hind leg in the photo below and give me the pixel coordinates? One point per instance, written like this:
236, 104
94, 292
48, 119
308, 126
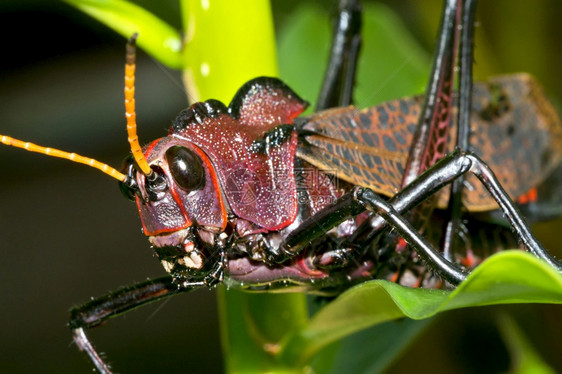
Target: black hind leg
100, 310
452, 227
390, 214
337, 89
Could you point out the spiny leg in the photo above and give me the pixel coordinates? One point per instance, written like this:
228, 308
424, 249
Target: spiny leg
463, 128
337, 88
430, 139
466, 9
101, 309
448, 270
449, 169
442, 173
434, 122
121, 301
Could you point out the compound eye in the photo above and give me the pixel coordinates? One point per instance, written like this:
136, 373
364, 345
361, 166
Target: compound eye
186, 168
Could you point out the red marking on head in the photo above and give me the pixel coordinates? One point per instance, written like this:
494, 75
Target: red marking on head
151, 147
179, 207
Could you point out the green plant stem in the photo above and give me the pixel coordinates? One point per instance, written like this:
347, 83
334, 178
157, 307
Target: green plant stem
252, 327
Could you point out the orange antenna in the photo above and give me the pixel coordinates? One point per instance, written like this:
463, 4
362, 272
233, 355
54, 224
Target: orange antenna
66, 155
130, 107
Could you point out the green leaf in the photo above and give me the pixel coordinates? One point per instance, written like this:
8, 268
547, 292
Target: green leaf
374, 349
507, 277
252, 324
155, 36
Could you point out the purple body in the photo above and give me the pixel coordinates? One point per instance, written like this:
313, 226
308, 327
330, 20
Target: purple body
230, 188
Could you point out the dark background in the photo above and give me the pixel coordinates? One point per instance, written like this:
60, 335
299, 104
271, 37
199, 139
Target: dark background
67, 234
